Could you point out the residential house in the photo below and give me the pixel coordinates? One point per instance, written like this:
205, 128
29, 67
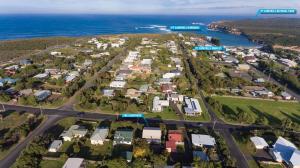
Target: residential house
74, 163
42, 76
146, 62
133, 93
174, 138
192, 107
25, 62
167, 88
42, 94
286, 96
124, 137
200, 140
75, 131
87, 63
117, 84
259, 142
99, 136
158, 104
55, 145
144, 88
288, 62
55, 53
26, 92
174, 97
285, 151
108, 92
165, 81
250, 59
243, 67
259, 80
71, 76
11, 70
200, 155
152, 134
172, 74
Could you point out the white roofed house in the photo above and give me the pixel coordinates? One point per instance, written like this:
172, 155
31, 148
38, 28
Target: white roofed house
259, 142
200, 140
74, 163
55, 146
87, 63
99, 136
158, 104
192, 107
42, 94
152, 134
117, 84
71, 76
285, 151
42, 76
75, 131
286, 96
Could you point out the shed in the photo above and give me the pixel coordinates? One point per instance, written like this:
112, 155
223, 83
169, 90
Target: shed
259, 142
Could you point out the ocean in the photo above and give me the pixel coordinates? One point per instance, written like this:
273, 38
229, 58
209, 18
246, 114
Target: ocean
32, 26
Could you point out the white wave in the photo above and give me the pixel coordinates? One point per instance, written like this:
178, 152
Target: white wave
198, 23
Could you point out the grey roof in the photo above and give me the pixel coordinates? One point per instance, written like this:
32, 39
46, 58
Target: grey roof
205, 140
100, 134
123, 136
55, 144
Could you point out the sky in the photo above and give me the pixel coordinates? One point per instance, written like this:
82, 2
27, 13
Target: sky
189, 7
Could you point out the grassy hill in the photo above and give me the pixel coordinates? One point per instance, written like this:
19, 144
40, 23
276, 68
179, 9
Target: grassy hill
281, 31
14, 49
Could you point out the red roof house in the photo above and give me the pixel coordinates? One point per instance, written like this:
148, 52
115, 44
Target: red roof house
174, 138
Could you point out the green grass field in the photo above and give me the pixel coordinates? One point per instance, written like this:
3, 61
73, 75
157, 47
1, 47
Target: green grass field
273, 111
52, 163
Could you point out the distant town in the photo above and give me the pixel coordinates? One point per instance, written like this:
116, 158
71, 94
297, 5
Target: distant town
150, 100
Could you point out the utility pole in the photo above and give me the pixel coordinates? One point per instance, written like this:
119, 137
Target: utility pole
41, 111
3, 108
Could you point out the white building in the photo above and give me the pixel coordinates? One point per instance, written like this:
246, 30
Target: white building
285, 151
200, 140
132, 56
192, 106
259, 142
117, 84
74, 163
55, 145
75, 131
152, 134
42, 76
99, 136
288, 62
159, 104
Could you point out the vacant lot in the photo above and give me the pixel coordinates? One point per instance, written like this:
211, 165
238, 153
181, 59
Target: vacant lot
272, 111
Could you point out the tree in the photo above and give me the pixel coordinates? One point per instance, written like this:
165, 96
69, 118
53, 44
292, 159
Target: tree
141, 149
119, 162
76, 148
286, 124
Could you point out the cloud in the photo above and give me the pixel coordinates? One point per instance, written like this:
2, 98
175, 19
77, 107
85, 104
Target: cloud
144, 6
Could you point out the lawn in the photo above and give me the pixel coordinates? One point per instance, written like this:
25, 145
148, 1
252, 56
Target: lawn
272, 111
52, 163
167, 113
12, 119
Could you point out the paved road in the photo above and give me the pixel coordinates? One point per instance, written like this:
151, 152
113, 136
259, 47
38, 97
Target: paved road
14, 154
90, 83
56, 114
224, 129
